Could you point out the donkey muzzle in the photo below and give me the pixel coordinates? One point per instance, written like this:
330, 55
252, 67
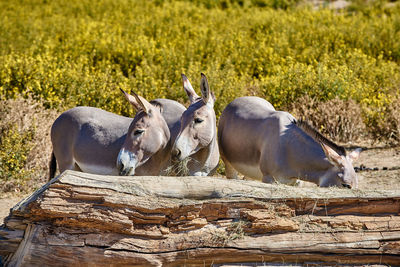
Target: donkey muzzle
126, 163
346, 186
176, 153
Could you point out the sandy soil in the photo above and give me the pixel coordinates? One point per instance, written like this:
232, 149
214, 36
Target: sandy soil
7, 203
386, 177
388, 163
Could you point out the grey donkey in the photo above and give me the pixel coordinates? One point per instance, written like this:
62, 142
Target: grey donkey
262, 143
197, 138
92, 140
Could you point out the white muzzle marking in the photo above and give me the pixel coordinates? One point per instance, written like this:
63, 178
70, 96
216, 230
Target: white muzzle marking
126, 162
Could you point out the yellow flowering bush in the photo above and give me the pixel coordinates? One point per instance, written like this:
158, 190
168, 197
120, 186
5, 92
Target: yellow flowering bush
25, 145
14, 148
77, 52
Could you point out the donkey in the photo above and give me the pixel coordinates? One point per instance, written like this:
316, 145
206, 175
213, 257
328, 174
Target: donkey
197, 137
262, 143
92, 140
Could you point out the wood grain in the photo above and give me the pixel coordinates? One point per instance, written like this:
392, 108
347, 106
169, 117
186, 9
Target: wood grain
81, 219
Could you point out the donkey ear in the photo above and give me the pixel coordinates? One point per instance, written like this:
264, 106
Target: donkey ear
206, 95
355, 154
332, 155
138, 102
189, 89
131, 100
157, 105
144, 104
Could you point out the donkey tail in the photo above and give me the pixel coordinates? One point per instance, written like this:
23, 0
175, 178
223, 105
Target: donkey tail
52, 166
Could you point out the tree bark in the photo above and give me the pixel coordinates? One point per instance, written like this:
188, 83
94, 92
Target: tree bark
82, 219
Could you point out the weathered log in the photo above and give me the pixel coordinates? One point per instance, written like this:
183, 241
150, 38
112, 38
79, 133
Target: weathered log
89, 220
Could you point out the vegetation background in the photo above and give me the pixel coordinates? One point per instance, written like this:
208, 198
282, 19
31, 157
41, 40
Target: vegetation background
338, 68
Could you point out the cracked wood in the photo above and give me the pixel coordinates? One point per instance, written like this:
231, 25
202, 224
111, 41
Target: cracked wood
80, 219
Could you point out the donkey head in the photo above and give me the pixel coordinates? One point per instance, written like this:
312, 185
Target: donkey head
342, 173
147, 135
198, 122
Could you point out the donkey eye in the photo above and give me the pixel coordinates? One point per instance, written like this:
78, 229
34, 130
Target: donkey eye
197, 120
138, 132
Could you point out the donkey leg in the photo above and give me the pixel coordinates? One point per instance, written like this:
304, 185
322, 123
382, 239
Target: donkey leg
67, 164
230, 172
77, 168
199, 173
269, 179
288, 180
63, 165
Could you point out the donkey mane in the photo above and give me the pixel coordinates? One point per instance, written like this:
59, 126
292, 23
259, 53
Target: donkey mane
157, 104
199, 98
317, 136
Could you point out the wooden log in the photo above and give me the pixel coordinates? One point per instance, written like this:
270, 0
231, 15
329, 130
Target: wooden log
82, 219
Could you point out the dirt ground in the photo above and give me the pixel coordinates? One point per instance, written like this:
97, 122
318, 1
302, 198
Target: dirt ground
386, 176
387, 161
6, 204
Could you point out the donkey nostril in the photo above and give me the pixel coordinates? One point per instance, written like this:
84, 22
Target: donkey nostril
120, 166
121, 169
346, 186
176, 152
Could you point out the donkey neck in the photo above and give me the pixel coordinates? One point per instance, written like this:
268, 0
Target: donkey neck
156, 163
307, 156
316, 176
202, 159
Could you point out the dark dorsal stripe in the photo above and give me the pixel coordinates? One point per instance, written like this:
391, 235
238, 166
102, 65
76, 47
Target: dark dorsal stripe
201, 99
157, 104
317, 136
